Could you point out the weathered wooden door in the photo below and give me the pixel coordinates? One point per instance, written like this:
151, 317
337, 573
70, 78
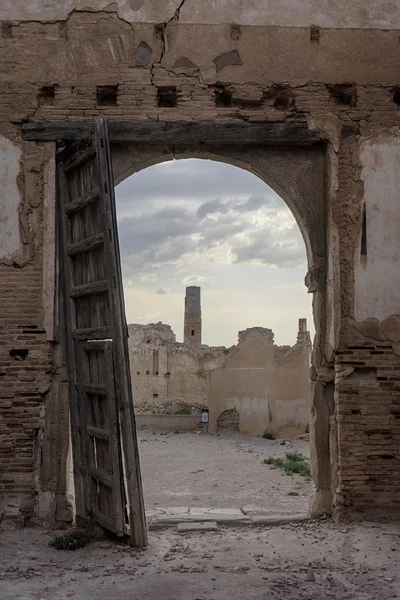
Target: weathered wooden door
108, 487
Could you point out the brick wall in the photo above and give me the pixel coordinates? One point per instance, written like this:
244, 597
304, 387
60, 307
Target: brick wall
368, 418
24, 378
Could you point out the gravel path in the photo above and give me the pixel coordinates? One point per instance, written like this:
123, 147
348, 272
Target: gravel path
220, 471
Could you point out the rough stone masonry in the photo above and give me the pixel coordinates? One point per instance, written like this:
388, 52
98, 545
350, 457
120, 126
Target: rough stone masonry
266, 385
334, 72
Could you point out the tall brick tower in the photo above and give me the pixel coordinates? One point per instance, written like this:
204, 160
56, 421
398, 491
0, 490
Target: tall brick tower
192, 324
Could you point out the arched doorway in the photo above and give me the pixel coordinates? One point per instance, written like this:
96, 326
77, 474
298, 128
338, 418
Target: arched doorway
299, 175
121, 157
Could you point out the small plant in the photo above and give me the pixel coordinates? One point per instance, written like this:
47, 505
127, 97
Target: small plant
295, 457
292, 463
292, 494
71, 541
269, 436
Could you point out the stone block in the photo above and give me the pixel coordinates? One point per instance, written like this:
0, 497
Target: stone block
197, 527
11, 518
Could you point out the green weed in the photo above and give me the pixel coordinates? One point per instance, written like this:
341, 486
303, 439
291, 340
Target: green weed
292, 463
71, 541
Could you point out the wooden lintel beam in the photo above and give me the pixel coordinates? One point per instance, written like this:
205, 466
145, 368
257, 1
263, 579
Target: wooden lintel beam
183, 134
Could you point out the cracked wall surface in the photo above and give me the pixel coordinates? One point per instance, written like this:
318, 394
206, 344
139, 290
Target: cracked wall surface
336, 70
169, 376
266, 384
381, 14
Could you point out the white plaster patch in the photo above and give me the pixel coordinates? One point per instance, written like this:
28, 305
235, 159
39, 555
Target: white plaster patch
380, 14
376, 285
10, 198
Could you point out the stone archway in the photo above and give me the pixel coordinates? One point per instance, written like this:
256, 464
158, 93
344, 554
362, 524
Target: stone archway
298, 176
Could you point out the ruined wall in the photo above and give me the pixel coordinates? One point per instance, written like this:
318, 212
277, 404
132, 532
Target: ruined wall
290, 413
266, 384
335, 68
168, 376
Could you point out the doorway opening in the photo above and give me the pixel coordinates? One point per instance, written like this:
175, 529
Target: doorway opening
93, 297
217, 235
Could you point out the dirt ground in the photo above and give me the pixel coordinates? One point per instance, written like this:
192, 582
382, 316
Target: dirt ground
308, 561
220, 471
311, 560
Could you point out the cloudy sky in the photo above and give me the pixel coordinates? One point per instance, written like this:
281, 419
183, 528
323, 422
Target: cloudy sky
201, 222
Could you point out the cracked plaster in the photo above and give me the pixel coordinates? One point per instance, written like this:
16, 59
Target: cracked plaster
378, 269
381, 14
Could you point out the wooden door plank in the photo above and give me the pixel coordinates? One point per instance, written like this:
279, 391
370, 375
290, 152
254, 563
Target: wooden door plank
96, 432
120, 344
86, 245
81, 156
82, 371
87, 289
100, 389
93, 345
101, 477
115, 441
77, 434
103, 519
92, 333
82, 201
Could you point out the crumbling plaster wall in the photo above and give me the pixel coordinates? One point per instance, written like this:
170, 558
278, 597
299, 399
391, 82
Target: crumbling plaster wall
10, 155
168, 376
380, 171
290, 13
266, 384
337, 68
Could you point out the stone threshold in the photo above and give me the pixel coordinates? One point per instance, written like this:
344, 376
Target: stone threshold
229, 517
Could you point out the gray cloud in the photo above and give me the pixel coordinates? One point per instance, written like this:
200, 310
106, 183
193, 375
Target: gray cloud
185, 179
158, 237
165, 229
216, 231
254, 202
211, 207
162, 291
281, 250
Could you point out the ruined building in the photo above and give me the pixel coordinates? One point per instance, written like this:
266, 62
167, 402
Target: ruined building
266, 385
309, 101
